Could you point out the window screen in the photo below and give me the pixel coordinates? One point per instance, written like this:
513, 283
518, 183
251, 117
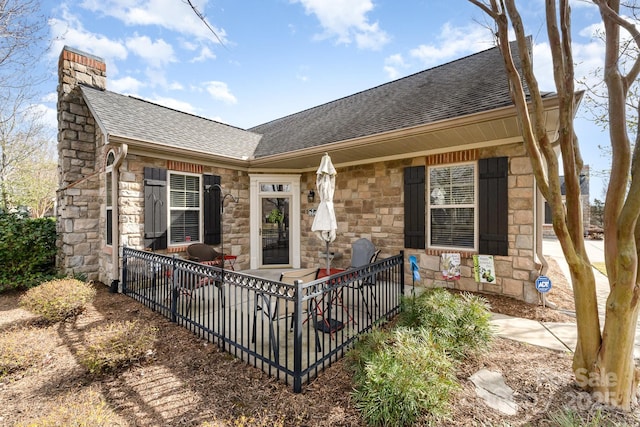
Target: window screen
452, 201
184, 200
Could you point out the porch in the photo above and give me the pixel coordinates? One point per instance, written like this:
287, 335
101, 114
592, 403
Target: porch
291, 331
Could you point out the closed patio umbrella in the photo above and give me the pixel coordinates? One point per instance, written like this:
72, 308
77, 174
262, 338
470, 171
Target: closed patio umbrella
324, 223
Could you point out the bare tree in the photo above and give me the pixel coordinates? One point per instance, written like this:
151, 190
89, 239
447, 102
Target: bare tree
22, 45
35, 183
603, 362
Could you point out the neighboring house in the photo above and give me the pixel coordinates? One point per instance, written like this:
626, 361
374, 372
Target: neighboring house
138, 174
585, 204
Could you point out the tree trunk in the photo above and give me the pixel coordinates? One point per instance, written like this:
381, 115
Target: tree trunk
587, 321
614, 375
603, 362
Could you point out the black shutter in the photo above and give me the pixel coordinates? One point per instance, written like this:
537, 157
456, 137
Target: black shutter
493, 206
212, 218
155, 208
414, 207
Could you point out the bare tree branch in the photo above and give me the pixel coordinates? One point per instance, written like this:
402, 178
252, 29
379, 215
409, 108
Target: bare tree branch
204, 20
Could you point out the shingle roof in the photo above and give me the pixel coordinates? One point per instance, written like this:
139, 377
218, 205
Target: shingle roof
143, 120
468, 85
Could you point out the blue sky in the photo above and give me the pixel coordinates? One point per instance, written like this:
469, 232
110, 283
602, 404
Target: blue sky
278, 57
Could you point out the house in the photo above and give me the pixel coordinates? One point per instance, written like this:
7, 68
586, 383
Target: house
430, 164
585, 205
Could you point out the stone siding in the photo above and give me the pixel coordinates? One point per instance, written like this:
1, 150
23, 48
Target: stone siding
369, 202
78, 204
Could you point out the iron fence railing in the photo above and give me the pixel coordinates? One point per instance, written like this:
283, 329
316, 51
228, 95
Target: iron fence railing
291, 331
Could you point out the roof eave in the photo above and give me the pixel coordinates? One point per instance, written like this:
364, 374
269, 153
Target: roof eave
170, 152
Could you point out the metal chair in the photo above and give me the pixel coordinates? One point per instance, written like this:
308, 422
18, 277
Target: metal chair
363, 252
204, 254
272, 310
207, 255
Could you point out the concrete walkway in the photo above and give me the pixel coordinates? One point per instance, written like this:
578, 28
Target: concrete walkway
552, 335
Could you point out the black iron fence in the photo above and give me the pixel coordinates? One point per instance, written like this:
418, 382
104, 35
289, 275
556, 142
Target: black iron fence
291, 331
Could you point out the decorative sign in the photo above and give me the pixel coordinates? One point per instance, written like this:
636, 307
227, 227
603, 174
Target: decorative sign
484, 269
450, 264
543, 284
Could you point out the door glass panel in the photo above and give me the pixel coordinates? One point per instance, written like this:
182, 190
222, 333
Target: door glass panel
275, 188
275, 230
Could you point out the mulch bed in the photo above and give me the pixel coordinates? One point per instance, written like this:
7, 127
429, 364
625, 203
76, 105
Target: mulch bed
189, 382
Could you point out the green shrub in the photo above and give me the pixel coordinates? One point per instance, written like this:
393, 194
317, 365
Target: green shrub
459, 324
27, 250
58, 299
404, 380
78, 409
570, 418
21, 349
116, 345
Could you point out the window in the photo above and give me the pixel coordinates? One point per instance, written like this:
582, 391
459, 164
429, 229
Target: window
184, 200
109, 199
465, 206
184, 208
452, 206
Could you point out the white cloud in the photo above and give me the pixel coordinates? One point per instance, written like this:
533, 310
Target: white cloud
70, 31
453, 42
156, 53
347, 21
205, 53
393, 64
49, 118
220, 91
176, 104
125, 85
51, 97
173, 15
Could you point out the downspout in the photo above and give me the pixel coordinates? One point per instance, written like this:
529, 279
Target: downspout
538, 237
115, 229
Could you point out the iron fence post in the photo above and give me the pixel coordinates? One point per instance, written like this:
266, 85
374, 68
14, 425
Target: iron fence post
297, 338
124, 270
401, 271
174, 291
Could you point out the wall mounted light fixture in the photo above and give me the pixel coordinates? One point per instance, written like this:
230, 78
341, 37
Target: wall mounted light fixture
311, 197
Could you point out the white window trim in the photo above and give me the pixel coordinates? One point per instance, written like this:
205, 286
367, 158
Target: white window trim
474, 205
200, 209
255, 211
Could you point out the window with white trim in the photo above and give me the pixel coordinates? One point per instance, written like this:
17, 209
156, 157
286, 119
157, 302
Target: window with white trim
185, 211
452, 206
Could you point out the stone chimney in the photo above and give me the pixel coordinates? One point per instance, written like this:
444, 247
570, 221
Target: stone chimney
78, 207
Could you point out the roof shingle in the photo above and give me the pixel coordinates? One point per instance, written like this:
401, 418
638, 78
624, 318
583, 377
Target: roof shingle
143, 120
468, 85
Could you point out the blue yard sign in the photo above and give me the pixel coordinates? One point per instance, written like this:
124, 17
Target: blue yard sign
543, 284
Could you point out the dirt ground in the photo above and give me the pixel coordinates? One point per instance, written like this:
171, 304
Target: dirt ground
189, 382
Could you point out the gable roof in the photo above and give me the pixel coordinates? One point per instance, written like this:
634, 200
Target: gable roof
466, 86
464, 104
137, 119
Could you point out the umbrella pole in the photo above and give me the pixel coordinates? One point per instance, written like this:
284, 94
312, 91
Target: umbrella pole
328, 261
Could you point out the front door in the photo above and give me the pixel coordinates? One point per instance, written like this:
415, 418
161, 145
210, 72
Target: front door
275, 229
275, 221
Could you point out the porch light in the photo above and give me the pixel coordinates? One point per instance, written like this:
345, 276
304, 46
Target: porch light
311, 197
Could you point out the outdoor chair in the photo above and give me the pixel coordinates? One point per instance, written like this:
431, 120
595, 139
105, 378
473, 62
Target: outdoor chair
363, 252
272, 311
202, 254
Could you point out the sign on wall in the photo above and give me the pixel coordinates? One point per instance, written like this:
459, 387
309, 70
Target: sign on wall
484, 268
450, 265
